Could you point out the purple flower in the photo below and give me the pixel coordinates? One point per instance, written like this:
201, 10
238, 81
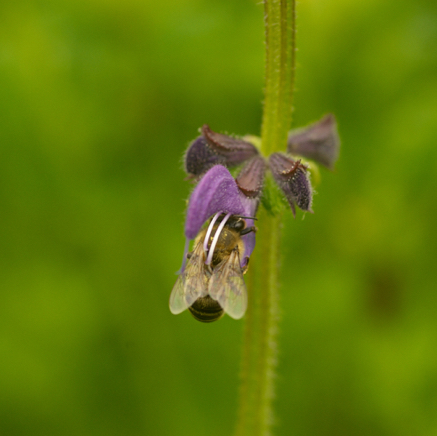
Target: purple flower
221, 212
218, 192
211, 278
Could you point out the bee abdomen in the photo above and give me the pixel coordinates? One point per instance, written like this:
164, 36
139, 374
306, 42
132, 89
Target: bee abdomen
205, 309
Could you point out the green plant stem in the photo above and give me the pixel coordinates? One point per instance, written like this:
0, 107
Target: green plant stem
260, 337
262, 318
280, 30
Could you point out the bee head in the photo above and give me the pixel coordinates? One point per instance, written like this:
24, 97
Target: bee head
237, 224
234, 222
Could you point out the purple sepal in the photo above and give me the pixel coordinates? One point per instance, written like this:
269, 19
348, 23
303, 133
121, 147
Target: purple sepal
216, 149
200, 157
235, 150
216, 192
318, 141
251, 177
292, 178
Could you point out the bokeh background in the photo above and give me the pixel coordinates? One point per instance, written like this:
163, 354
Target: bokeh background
98, 100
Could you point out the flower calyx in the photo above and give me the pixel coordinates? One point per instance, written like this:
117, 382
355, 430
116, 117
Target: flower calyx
292, 178
213, 148
318, 141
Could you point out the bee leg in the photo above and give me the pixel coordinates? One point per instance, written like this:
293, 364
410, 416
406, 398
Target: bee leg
248, 230
189, 255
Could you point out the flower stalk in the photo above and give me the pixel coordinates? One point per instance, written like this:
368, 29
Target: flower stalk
259, 358
280, 31
261, 328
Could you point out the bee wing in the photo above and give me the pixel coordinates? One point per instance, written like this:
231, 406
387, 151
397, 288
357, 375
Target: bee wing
191, 284
227, 286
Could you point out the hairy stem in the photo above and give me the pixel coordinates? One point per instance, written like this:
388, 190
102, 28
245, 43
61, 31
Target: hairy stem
280, 30
260, 339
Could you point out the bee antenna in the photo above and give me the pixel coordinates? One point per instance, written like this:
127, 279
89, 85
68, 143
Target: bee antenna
247, 217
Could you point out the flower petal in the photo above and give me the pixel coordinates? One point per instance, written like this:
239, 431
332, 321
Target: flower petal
217, 191
318, 141
250, 207
292, 178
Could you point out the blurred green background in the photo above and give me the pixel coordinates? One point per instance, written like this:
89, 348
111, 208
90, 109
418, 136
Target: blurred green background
98, 100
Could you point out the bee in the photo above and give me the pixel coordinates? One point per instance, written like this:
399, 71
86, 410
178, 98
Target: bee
212, 282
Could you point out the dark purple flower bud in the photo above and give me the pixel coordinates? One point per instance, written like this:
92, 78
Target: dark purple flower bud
292, 178
215, 148
318, 141
251, 177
